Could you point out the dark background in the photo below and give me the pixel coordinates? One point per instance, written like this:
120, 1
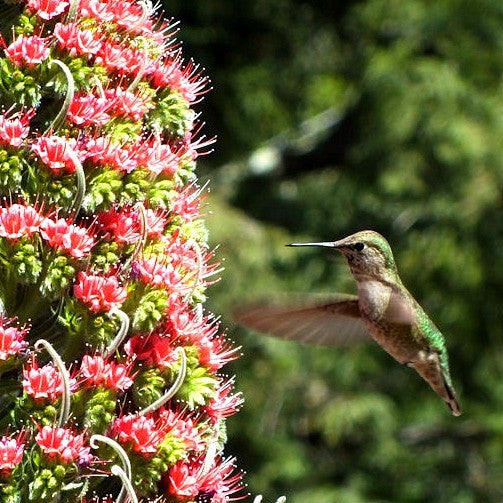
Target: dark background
333, 117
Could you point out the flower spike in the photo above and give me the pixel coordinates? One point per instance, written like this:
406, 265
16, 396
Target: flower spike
66, 396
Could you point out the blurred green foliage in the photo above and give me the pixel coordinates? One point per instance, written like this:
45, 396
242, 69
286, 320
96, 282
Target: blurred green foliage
416, 154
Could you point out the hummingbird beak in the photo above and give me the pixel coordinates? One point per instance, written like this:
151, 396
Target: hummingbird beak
325, 244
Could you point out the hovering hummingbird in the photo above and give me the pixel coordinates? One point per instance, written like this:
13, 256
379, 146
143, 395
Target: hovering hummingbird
383, 310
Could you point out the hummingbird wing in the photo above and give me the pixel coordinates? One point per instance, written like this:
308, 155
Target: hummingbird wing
317, 323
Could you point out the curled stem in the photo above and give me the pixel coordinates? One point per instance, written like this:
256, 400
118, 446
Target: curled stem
65, 378
126, 464
81, 182
174, 388
127, 487
121, 334
70, 90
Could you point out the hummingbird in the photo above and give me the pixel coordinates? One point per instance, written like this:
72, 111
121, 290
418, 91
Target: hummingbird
383, 310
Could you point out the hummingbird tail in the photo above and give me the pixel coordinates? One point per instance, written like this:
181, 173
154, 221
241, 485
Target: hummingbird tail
430, 369
451, 399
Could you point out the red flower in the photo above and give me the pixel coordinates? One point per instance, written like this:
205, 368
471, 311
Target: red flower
11, 339
110, 375
43, 382
56, 153
123, 225
14, 128
47, 9
153, 349
18, 220
29, 50
70, 238
63, 444
11, 453
78, 42
100, 293
140, 432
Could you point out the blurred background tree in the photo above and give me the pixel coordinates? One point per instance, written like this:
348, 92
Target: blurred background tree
335, 117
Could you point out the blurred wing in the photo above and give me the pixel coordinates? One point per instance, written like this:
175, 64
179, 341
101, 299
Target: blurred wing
329, 323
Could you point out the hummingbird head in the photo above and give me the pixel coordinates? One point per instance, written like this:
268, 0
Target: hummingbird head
367, 252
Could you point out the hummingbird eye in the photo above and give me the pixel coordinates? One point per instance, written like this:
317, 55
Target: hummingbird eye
359, 246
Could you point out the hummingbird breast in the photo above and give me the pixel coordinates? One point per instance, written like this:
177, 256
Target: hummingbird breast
389, 316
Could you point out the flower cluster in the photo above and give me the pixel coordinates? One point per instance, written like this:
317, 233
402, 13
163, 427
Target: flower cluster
111, 364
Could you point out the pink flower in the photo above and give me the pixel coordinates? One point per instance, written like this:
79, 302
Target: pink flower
43, 382
123, 59
140, 432
156, 223
127, 104
214, 353
127, 14
188, 80
78, 42
100, 293
105, 153
11, 339
87, 109
95, 9
11, 453
117, 377
109, 375
63, 444
47, 9
224, 404
56, 153
157, 157
186, 479
29, 50
18, 220
153, 272
186, 205
70, 238
15, 128
183, 428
